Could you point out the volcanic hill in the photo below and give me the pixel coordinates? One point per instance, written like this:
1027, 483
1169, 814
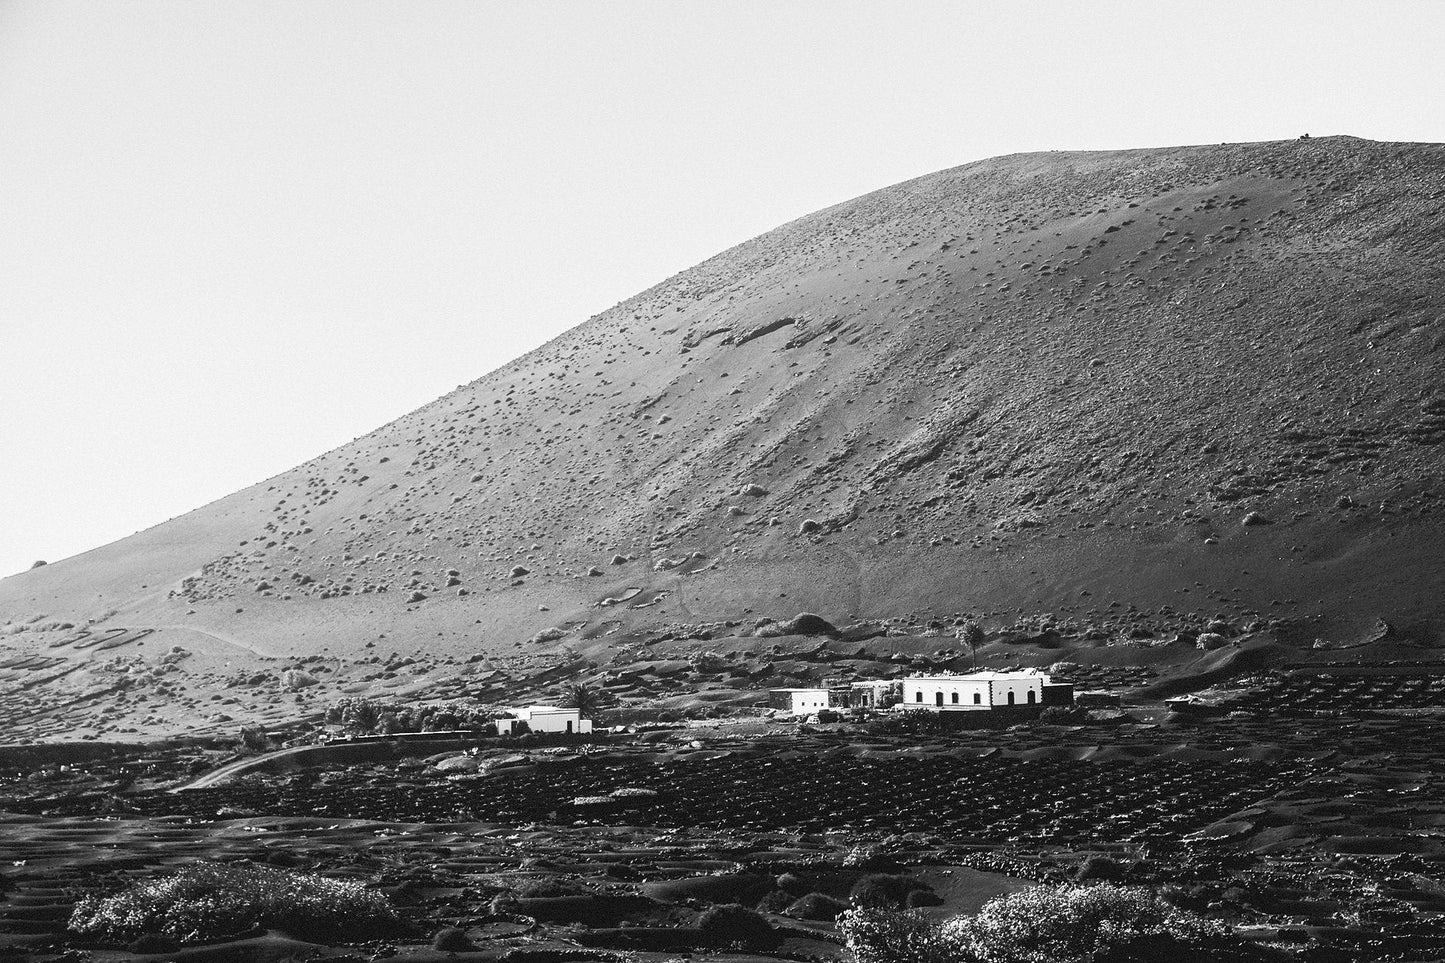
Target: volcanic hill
1115, 387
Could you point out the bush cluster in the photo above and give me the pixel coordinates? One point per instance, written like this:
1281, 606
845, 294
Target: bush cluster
913, 722
208, 901
367, 717
1042, 924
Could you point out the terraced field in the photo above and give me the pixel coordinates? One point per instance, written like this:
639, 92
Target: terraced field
1325, 834
1349, 691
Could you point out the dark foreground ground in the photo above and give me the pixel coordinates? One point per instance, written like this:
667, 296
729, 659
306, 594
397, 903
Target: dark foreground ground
1307, 811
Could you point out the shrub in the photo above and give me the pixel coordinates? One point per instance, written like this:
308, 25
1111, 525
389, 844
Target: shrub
827, 715
918, 898
911, 722
816, 906
777, 901
793, 883
880, 891
869, 856
206, 901
1042, 924
254, 740
884, 936
708, 663
1100, 868
735, 925
450, 939
1061, 924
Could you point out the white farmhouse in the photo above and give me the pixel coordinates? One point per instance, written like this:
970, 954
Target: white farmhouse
800, 702
976, 691
544, 719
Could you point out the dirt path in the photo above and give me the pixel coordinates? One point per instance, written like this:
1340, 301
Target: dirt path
227, 640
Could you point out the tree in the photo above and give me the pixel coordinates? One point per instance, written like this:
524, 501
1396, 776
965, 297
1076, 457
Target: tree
254, 740
361, 716
586, 699
972, 636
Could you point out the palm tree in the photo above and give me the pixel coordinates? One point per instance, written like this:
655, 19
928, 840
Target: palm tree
586, 699
972, 636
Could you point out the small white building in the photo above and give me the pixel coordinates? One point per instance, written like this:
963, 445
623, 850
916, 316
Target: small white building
800, 702
544, 719
976, 691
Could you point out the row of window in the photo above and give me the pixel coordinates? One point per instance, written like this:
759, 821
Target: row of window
977, 698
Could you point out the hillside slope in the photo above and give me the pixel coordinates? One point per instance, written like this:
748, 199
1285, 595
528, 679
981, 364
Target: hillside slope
1040, 383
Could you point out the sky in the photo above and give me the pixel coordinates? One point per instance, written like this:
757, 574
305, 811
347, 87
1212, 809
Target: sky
235, 234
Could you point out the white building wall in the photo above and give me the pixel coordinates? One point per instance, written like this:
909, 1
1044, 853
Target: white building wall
922, 693
808, 701
973, 693
547, 719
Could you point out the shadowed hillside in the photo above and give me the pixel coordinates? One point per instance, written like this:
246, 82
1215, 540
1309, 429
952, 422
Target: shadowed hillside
1067, 383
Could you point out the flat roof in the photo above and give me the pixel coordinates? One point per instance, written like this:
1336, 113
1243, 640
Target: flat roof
985, 675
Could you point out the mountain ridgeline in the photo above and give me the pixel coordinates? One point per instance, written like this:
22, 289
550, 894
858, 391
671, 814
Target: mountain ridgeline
1114, 386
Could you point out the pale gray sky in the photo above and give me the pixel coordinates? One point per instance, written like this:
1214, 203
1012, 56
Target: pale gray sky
236, 234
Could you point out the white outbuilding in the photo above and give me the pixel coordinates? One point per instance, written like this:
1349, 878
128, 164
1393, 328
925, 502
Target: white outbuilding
544, 719
975, 691
800, 702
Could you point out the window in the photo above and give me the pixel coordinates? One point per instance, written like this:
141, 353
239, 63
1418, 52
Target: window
955, 698
1031, 697
978, 698
920, 696
938, 698
1010, 697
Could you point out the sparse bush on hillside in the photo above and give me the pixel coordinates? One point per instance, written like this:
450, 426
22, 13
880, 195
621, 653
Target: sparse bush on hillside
708, 663
37, 623
206, 901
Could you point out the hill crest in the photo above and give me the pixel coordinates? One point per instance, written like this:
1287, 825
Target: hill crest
985, 390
